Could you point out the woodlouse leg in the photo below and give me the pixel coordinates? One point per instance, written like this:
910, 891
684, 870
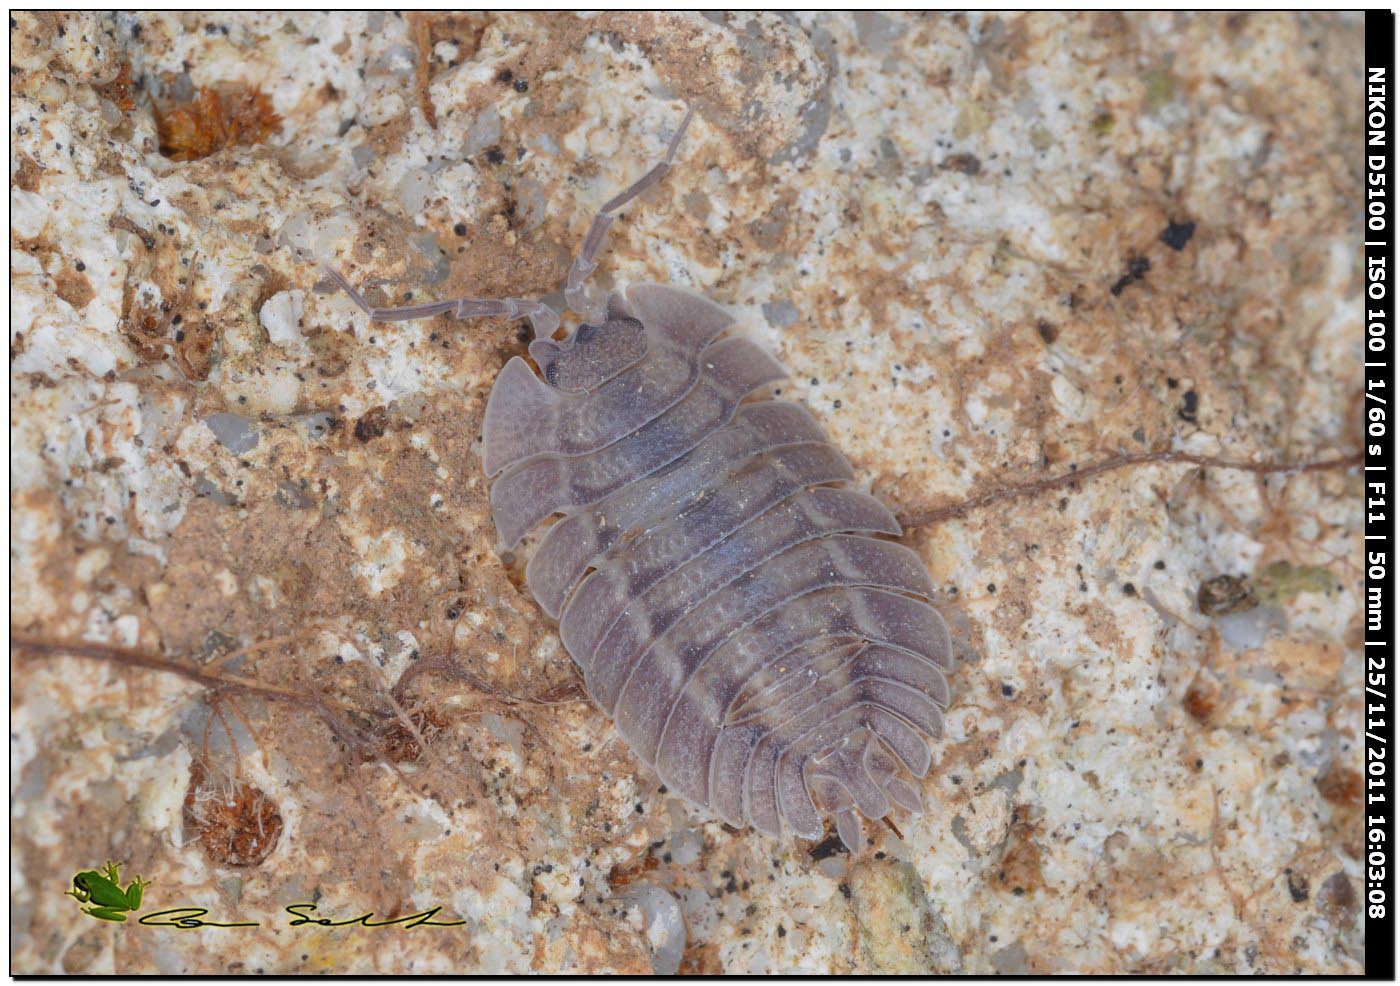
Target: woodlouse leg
583, 264
543, 318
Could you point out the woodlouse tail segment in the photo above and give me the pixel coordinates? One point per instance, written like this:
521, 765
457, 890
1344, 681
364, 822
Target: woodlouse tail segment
584, 264
859, 777
542, 318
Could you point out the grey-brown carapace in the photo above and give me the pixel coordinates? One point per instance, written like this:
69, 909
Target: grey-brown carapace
734, 603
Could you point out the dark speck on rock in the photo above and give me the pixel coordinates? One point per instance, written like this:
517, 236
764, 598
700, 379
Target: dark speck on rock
1177, 235
1138, 266
1189, 403
371, 424
1225, 594
1298, 887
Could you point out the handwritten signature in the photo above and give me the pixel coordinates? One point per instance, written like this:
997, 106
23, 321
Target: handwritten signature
189, 918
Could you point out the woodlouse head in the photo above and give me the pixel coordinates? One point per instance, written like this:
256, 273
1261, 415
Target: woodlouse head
592, 355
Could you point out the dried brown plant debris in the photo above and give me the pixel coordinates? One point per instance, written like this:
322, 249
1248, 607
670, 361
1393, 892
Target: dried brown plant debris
403, 743
365, 735
214, 120
920, 517
164, 330
125, 223
236, 823
1225, 594
421, 31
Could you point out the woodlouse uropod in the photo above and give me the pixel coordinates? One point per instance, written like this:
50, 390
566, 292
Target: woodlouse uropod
734, 604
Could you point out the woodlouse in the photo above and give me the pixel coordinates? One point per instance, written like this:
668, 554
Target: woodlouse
734, 604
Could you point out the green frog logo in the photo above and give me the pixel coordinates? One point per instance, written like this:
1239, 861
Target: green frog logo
103, 890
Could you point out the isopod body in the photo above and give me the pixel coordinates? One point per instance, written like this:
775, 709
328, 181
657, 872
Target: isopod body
733, 602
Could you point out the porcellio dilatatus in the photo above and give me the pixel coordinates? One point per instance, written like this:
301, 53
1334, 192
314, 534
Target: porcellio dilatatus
735, 604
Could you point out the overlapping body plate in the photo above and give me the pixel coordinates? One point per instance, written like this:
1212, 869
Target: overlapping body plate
733, 603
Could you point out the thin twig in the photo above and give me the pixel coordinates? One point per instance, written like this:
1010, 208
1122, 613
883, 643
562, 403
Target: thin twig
447, 665
140, 659
964, 507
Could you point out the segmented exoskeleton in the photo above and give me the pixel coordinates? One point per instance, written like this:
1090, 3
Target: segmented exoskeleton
733, 602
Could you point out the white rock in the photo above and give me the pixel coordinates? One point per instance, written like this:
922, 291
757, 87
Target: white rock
281, 317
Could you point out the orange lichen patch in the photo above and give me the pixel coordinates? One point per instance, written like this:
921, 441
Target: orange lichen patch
1020, 868
622, 877
235, 822
1200, 702
701, 959
27, 172
215, 120
146, 331
74, 288
1341, 786
119, 89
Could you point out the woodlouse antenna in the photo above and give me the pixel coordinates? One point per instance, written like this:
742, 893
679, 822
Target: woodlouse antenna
543, 319
584, 264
